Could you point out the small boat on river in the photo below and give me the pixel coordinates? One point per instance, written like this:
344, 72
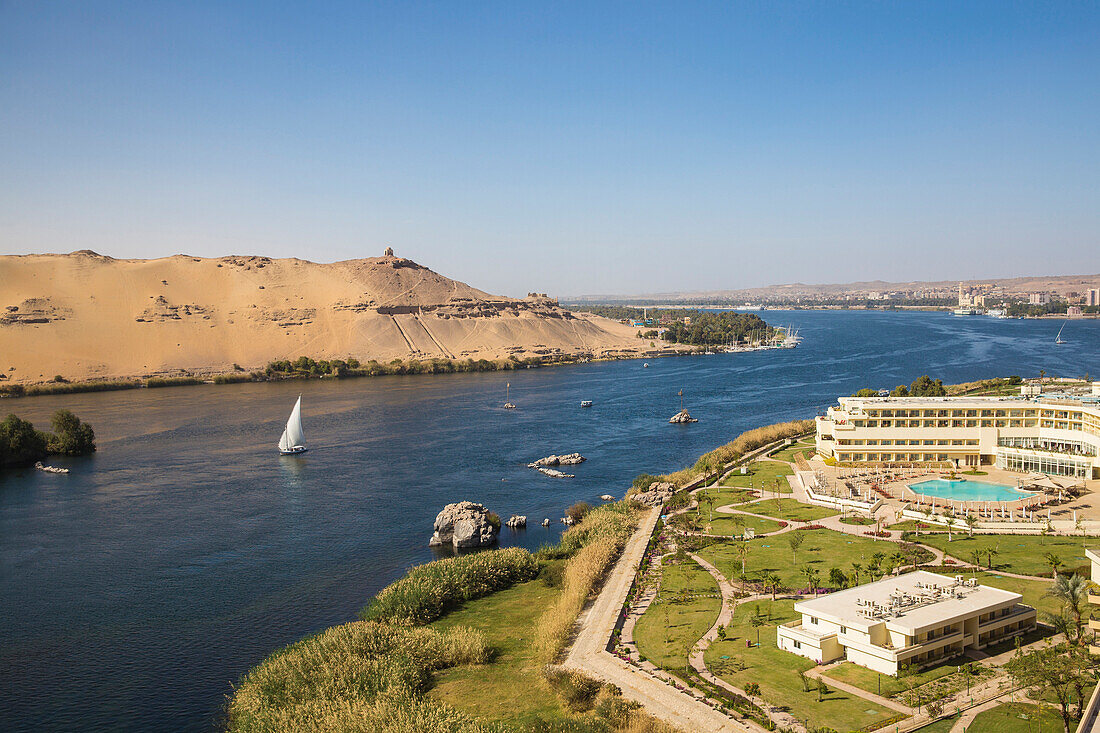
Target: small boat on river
50, 469
586, 403
293, 440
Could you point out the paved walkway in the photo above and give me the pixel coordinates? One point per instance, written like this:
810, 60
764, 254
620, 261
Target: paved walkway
589, 654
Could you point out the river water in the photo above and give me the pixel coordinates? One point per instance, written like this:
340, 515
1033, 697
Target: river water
135, 590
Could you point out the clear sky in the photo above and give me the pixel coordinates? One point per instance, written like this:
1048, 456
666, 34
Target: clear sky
564, 147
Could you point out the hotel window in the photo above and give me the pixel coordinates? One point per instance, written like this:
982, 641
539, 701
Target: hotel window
797, 644
843, 629
813, 620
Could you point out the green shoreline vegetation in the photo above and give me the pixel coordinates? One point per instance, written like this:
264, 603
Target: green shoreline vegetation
303, 367
21, 444
461, 644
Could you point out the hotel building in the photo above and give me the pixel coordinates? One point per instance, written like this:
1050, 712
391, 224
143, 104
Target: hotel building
916, 619
1058, 436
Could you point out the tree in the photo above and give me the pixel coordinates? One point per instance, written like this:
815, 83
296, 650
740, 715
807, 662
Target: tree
976, 560
20, 442
71, 436
857, 568
1059, 671
1054, 562
925, 386
822, 689
757, 620
968, 672
812, 577
752, 690
900, 391
927, 512
971, 523
837, 578
1072, 591
991, 553
795, 540
743, 553
773, 583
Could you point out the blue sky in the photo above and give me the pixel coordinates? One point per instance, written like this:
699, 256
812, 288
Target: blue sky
562, 147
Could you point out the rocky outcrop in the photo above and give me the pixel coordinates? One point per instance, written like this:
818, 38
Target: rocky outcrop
567, 460
554, 473
464, 524
516, 520
682, 417
656, 495
608, 497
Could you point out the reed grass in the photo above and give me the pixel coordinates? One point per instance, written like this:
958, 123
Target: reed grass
594, 544
428, 591
361, 676
746, 442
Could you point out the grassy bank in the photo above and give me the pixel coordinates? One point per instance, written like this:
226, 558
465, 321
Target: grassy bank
746, 442
460, 644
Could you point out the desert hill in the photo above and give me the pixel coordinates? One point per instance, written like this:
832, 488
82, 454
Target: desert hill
83, 316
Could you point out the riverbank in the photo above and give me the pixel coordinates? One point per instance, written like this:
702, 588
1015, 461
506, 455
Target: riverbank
338, 369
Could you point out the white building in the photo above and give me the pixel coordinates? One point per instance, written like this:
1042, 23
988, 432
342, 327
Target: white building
916, 619
1046, 434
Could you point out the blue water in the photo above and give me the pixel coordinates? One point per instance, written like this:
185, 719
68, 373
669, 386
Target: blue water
969, 490
136, 589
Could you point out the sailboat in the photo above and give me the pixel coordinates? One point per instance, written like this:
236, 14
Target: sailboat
507, 399
293, 441
1058, 339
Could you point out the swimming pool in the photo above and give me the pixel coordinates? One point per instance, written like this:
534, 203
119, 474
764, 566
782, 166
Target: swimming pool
969, 490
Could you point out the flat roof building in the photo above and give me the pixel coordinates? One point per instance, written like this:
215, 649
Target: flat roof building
916, 619
1044, 434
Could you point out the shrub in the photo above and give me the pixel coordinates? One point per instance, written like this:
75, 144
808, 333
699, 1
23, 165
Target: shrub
154, 382
578, 691
71, 436
643, 480
578, 510
430, 590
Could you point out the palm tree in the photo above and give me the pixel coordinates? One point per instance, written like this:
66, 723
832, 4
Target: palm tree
976, 560
897, 558
1054, 562
772, 582
927, 512
971, 523
1072, 591
743, 553
990, 554
812, 576
857, 568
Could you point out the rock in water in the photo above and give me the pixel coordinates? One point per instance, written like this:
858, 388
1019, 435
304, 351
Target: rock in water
682, 417
608, 497
516, 520
570, 459
464, 524
554, 473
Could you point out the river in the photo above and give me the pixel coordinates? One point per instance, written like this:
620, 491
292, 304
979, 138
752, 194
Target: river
135, 590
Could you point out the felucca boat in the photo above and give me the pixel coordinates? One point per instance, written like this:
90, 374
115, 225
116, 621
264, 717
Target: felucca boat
293, 441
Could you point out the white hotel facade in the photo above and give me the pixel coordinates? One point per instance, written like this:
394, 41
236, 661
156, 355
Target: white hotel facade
916, 619
1045, 434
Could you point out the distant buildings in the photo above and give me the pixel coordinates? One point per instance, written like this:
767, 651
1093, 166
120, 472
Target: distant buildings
916, 619
1073, 310
1092, 296
1038, 298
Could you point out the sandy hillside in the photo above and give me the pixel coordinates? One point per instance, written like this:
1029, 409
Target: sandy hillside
84, 316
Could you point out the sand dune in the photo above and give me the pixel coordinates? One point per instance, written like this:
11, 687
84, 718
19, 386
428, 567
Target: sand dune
85, 316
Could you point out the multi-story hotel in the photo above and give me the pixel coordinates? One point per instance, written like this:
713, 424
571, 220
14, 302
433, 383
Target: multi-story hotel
916, 619
1058, 436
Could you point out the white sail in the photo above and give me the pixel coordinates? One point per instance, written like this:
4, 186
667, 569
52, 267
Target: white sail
293, 437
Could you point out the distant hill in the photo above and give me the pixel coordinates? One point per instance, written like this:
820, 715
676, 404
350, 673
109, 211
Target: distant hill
83, 315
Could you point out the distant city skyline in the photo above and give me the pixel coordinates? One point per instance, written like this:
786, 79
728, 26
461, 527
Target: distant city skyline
576, 149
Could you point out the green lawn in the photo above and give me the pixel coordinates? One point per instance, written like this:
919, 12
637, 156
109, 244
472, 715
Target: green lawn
777, 672
857, 519
512, 688
1015, 717
790, 510
787, 454
866, 679
821, 549
766, 475
1022, 554
727, 525
669, 628
721, 496
910, 525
